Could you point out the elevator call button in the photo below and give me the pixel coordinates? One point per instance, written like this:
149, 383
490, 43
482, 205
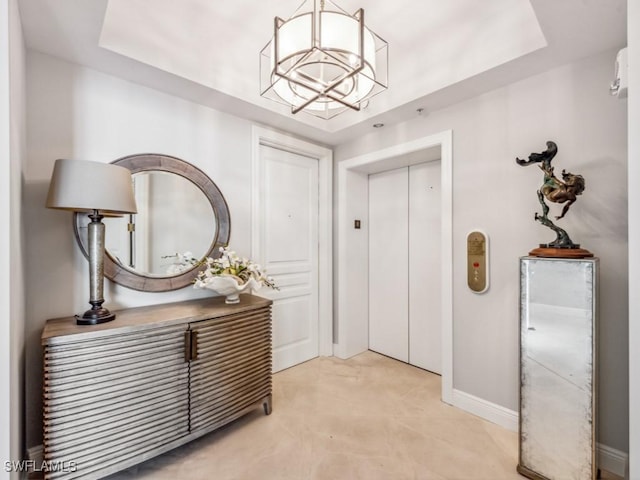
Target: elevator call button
477, 261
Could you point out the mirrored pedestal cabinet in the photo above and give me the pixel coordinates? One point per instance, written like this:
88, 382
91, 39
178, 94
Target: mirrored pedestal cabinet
558, 318
119, 393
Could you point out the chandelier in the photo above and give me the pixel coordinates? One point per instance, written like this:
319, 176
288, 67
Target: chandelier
323, 61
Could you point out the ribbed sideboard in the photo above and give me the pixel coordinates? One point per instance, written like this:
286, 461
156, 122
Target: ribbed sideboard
119, 393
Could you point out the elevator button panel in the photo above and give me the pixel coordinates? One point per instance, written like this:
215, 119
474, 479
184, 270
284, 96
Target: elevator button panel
478, 261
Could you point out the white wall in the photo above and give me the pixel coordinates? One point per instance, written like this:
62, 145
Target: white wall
16, 289
571, 106
74, 112
633, 35
12, 146
5, 250
352, 254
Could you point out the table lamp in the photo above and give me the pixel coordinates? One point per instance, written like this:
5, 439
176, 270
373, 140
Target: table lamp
98, 189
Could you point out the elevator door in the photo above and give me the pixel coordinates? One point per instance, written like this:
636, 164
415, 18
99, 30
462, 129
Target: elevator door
404, 264
389, 263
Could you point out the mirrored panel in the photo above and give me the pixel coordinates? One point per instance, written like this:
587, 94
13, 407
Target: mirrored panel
557, 376
182, 218
175, 224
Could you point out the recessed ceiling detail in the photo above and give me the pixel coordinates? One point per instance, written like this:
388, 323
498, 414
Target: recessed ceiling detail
441, 52
433, 43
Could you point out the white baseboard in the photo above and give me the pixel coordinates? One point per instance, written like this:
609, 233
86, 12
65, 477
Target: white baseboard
489, 411
36, 454
612, 460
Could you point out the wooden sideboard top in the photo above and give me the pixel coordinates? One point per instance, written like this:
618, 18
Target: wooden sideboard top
59, 330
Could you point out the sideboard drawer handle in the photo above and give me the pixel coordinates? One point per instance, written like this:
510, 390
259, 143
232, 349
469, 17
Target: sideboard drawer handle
194, 344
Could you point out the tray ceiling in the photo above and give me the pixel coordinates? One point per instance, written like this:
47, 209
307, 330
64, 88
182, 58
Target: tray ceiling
439, 52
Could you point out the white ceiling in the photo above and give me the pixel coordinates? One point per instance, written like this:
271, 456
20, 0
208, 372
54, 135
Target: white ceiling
440, 52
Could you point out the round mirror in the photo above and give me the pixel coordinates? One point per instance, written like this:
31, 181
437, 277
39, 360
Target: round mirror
182, 218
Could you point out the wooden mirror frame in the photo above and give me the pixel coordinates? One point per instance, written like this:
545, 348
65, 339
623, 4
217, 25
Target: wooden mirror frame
153, 162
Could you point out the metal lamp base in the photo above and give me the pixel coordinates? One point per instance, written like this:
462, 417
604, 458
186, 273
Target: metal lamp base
97, 314
94, 317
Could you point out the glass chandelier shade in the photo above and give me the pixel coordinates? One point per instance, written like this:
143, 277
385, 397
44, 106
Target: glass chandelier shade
323, 61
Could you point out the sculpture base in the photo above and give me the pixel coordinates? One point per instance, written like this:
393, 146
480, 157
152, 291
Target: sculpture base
554, 252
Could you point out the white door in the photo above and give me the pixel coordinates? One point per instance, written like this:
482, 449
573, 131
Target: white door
425, 325
288, 246
388, 264
404, 265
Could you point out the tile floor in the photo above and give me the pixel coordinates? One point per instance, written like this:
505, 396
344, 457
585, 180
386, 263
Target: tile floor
369, 417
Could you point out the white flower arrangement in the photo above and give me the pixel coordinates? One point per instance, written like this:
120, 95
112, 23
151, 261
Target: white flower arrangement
230, 264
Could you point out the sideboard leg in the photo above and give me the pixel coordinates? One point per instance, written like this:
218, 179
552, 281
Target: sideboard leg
267, 405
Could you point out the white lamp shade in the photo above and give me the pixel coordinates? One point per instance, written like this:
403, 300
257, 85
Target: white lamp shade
84, 186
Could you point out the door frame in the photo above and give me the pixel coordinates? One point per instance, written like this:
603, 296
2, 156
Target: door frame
324, 156
352, 291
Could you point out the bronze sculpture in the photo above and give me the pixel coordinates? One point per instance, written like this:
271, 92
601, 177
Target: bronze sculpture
565, 190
